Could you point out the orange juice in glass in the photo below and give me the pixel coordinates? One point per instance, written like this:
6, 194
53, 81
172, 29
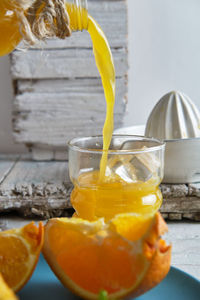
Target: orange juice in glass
131, 181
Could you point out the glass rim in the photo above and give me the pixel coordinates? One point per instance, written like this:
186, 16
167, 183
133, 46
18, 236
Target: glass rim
160, 146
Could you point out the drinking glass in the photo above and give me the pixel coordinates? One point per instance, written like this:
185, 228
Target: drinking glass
133, 172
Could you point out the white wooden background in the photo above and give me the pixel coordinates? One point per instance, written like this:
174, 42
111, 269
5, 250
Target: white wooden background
59, 93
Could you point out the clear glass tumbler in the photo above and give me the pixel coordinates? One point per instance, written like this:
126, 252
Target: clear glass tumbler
134, 171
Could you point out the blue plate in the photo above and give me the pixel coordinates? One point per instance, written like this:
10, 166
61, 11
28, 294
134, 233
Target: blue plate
45, 286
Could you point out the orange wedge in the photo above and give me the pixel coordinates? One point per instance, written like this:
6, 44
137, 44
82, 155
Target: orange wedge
5, 292
19, 253
89, 257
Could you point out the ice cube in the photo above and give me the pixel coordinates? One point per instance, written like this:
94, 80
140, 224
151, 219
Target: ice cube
150, 160
133, 167
121, 166
146, 163
126, 172
142, 172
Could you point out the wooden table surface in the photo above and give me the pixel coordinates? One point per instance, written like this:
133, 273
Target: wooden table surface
184, 236
43, 188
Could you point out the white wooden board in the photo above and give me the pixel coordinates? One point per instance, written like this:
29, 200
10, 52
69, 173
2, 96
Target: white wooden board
72, 86
50, 112
59, 92
65, 63
38, 188
5, 168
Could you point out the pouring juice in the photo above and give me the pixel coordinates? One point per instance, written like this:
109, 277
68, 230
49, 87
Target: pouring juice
97, 193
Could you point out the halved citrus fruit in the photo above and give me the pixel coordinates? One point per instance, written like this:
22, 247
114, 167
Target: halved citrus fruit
89, 257
19, 252
6, 293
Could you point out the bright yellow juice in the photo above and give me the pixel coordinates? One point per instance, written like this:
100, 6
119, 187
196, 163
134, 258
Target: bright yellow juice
79, 19
92, 199
105, 65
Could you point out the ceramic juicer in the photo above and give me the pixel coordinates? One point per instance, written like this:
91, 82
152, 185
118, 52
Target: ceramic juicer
176, 120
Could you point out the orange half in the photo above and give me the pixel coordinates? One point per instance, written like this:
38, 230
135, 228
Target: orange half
19, 253
89, 257
125, 257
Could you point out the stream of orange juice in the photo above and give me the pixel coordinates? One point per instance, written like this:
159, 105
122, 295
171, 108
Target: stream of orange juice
105, 65
96, 195
80, 19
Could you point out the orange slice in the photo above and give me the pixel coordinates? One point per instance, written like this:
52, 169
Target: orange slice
89, 257
5, 292
19, 253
